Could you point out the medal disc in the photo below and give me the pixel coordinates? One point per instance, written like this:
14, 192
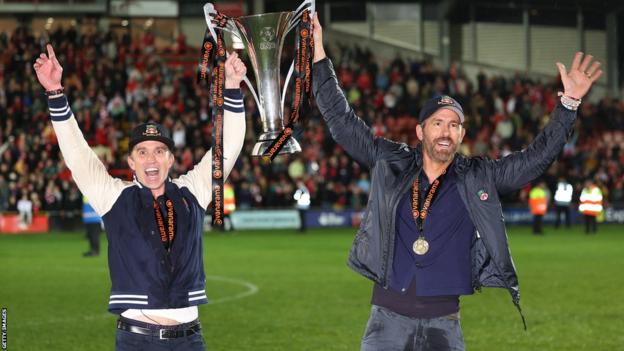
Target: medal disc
421, 246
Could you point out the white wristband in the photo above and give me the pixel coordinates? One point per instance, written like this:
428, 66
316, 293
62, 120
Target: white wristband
569, 102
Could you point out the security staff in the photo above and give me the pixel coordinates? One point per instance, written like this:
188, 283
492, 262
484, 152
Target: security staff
229, 205
93, 224
590, 205
538, 205
154, 224
563, 199
302, 196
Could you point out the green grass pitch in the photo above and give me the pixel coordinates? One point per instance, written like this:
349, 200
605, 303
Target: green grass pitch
285, 291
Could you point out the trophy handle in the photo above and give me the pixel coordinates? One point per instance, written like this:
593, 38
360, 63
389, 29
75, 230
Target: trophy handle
209, 13
253, 91
306, 4
290, 72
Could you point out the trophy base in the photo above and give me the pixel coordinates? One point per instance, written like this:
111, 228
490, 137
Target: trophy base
266, 139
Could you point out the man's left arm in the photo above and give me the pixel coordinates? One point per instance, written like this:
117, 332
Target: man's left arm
515, 170
199, 179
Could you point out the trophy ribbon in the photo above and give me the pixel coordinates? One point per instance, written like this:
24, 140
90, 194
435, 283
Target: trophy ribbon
304, 47
212, 62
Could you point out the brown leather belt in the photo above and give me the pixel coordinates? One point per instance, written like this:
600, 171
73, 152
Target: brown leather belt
170, 332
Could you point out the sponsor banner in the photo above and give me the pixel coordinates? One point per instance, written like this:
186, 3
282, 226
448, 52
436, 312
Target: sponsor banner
289, 219
11, 224
512, 215
265, 219
345, 218
522, 215
614, 215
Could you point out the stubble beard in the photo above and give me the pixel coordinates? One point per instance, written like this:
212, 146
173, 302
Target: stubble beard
440, 156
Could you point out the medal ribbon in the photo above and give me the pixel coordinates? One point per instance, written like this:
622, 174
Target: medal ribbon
212, 62
421, 214
166, 236
304, 47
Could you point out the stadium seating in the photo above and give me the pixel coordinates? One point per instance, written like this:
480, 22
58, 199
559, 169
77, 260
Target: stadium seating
114, 82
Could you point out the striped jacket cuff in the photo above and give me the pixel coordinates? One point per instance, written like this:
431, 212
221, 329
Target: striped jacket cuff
128, 299
59, 109
199, 295
233, 100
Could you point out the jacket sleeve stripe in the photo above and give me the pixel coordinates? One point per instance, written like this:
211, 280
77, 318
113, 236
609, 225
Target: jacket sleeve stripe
59, 109
197, 292
128, 296
197, 298
53, 109
234, 105
233, 100
134, 302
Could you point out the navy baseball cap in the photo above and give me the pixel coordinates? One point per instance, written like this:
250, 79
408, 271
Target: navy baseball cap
443, 101
150, 131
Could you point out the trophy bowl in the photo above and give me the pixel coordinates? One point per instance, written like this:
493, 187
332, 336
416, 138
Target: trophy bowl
262, 37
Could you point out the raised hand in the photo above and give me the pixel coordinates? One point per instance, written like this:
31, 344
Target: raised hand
49, 70
317, 33
235, 71
582, 75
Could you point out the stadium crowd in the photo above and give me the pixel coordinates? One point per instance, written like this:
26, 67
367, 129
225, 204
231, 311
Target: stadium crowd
114, 83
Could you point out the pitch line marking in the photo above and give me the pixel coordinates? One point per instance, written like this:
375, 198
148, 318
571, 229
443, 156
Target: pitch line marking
252, 289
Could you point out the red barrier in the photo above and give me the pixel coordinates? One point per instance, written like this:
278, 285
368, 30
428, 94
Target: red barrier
10, 224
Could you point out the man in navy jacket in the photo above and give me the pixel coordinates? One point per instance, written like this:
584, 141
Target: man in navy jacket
154, 224
433, 228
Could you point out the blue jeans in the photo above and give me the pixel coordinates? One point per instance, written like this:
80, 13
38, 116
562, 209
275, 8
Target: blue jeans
127, 341
390, 331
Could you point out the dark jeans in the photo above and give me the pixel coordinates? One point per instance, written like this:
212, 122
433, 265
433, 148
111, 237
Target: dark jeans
127, 341
565, 211
590, 224
302, 226
537, 224
391, 331
93, 234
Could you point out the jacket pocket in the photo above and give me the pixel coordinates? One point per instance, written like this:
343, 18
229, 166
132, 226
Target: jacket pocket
484, 271
361, 257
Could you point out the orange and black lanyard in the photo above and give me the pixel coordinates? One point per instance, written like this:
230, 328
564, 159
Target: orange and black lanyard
304, 52
166, 234
421, 214
211, 76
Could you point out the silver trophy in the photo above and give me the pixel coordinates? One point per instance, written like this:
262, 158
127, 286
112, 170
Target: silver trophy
262, 36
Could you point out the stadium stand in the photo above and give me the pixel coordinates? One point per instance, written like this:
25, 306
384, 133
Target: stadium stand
115, 82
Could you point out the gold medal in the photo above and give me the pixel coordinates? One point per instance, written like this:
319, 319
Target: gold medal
421, 246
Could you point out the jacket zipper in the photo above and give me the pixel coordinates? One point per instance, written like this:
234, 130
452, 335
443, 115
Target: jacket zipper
477, 283
478, 287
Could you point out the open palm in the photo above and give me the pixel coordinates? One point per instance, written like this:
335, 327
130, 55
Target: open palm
49, 70
582, 75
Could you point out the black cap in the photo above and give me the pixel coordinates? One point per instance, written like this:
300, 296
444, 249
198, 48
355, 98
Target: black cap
150, 131
443, 101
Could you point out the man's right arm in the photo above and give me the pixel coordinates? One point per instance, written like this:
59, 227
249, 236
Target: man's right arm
88, 171
345, 126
